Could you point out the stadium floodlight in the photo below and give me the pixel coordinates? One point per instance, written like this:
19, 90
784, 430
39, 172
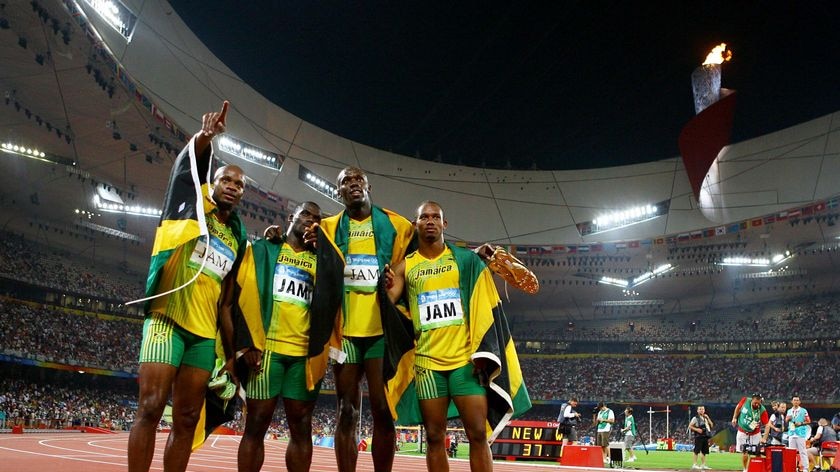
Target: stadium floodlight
117, 15
620, 218
783, 272
628, 302
318, 183
779, 258
624, 217
241, 149
755, 262
635, 281
746, 261
623, 283
137, 210
651, 274
32, 152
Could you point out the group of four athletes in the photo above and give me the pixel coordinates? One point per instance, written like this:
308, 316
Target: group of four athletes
282, 305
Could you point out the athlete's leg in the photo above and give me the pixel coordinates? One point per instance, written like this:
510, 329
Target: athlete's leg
252, 447
299, 452
155, 385
434, 420
473, 411
349, 397
384, 435
187, 400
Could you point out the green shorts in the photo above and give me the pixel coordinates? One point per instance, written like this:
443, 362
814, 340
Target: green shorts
166, 342
459, 382
281, 375
359, 350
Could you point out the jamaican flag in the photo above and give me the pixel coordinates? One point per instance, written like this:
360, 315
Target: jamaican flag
254, 301
185, 207
490, 343
215, 411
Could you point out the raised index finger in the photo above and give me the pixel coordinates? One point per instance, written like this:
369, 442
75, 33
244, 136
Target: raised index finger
223, 113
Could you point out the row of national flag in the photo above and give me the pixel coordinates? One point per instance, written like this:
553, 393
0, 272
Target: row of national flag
732, 228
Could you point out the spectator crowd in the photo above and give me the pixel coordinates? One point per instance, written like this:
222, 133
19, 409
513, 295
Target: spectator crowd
666, 378
39, 265
51, 334
57, 406
791, 320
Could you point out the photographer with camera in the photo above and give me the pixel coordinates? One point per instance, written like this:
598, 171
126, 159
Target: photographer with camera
701, 425
569, 419
748, 418
774, 433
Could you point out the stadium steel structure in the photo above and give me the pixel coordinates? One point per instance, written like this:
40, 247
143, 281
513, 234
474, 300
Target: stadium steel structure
108, 110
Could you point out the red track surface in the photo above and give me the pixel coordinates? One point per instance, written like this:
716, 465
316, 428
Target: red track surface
70, 452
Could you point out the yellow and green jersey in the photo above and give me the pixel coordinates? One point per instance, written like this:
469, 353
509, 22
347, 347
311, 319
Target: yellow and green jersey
194, 307
437, 311
367, 245
289, 302
486, 336
361, 274
292, 289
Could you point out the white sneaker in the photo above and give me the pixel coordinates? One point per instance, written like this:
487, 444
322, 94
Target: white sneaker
695, 466
632, 459
705, 467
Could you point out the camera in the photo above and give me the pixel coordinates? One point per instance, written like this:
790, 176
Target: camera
753, 449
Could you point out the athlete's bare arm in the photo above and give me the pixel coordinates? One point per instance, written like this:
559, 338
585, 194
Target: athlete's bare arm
395, 280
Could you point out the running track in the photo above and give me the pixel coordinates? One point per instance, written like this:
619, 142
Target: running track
70, 452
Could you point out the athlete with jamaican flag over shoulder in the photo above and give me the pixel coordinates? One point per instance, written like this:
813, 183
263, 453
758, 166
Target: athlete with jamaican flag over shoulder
199, 239
285, 304
369, 237
463, 360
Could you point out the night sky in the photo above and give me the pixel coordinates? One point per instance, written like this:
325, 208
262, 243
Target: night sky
559, 85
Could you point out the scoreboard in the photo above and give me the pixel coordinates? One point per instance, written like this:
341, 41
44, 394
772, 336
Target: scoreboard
532, 440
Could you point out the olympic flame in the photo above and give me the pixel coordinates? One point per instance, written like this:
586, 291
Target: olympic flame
719, 55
